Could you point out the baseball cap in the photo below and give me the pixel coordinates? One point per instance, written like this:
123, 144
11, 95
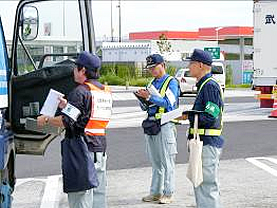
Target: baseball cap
88, 60
201, 56
154, 60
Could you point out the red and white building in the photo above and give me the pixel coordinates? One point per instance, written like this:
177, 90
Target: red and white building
235, 42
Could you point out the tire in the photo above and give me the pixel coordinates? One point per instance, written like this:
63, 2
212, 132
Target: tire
181, 93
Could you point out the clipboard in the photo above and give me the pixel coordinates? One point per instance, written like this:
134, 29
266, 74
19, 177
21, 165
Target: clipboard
193, 112
142, 101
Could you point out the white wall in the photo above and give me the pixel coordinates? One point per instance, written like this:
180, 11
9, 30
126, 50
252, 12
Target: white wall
138, 51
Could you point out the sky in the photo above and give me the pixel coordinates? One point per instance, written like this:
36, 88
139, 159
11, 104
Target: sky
146, 15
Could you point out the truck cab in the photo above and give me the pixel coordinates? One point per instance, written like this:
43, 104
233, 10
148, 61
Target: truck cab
38, 58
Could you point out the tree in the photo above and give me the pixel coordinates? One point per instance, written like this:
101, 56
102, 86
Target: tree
164, 45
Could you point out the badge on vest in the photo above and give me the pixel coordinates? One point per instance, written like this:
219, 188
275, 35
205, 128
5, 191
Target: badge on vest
71, 111
102, 105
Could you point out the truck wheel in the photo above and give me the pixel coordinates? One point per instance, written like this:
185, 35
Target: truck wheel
11, 175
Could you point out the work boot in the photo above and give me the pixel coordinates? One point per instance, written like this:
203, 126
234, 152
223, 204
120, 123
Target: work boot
152, 198
166, 199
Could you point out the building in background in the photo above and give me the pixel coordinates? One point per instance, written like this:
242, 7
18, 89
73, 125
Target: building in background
236, 43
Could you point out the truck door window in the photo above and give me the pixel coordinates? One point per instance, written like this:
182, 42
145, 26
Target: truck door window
59, 36
217, 69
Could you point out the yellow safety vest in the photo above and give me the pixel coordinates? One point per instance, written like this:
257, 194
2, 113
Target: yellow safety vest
163, 89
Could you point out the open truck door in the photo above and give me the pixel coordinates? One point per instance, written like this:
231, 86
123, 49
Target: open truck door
7, 149
41, 58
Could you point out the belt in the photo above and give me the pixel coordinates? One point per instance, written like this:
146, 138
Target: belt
206, 132
152, 118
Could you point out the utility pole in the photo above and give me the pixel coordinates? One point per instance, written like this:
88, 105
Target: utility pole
119, 21
217, 34
63, 18
112, 21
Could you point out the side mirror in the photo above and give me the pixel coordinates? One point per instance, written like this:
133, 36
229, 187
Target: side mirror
29, 29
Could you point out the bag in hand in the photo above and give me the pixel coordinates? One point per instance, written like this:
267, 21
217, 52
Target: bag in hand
195, 146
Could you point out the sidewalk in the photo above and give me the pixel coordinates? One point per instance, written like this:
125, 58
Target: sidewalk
243, 185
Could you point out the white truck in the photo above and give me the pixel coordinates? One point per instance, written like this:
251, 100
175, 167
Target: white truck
34, 64
265, 45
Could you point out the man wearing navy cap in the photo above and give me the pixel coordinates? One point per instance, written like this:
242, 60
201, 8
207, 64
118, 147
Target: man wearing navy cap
84, 116
160, 140
209, 100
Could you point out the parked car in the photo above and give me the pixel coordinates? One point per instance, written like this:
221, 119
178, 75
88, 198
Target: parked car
218, 72
188, 83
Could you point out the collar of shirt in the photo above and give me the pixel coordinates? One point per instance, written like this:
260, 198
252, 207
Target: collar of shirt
199, 83
159, 81
96, 83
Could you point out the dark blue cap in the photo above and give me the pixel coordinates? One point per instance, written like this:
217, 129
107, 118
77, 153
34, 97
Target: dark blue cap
154, 60
88, 60
201, 56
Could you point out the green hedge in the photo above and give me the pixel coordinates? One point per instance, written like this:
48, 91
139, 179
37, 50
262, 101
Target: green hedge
119, 74
112, 79
239, 86
141, 82
125, 71
116, 80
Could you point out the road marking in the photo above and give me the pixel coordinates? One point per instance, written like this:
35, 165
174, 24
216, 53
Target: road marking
51, 193
19, 182
254, 161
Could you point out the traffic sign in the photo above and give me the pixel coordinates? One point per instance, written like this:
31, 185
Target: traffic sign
215, 52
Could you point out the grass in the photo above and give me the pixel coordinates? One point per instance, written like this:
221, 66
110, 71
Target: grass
239, 86
142, 82
116, 80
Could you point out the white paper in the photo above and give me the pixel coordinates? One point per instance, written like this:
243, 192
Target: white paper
51, 103
170, 96
166, 117
153, 91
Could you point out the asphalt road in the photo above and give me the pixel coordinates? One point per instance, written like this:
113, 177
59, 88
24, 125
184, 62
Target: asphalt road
126, 148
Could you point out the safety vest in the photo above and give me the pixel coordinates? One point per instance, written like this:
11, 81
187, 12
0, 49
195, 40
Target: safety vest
101, 111
209, 132
163, 89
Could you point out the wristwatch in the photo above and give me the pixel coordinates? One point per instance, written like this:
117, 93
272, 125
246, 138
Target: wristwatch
46, 120
148, 98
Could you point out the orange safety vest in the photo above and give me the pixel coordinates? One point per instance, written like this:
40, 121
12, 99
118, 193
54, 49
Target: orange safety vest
101, 111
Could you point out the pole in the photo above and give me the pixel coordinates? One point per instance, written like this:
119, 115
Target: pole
111, 20
217, 33
119, 19
63, 18
241, 41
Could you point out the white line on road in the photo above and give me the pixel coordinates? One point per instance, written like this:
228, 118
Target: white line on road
255, 161
51, 196
19, 182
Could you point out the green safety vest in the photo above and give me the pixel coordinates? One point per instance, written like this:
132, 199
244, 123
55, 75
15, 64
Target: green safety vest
163, 89
209, 132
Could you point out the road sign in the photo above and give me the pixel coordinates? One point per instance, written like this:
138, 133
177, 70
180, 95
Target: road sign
215, 52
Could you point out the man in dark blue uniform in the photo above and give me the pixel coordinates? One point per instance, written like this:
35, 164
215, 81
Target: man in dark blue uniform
80, 151
209, 100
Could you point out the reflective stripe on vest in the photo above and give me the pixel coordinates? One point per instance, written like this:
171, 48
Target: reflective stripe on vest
209, 132
206, 132
163, 89
100, 111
